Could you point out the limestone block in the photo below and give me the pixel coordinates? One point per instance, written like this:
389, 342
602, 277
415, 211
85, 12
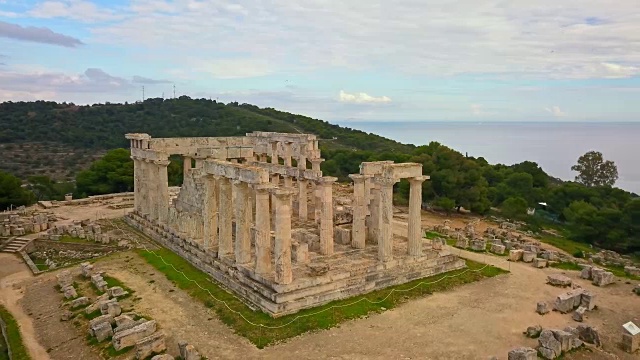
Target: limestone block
86, 269
116, 292
55, 237
188, 352
630, 343
150, 345
542, 308
437, 243
342, 236
64, 279
534, 331
636, 289
123, 320
558, 280
566, 302
69, 292
163, 357
129, 337
601, 277
96, 305
588, 300
540, 263
586, 272
632, 270
102, 331
300, 252
478, 245
589, 334
128, 325
515, 255
111, 307
528, 256
97, 321
81, 301
497, 249
578, 314
523, 353
462, 242
549, 342
66, 315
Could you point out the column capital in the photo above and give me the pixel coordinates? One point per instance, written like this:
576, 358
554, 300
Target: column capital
357, 178
316, 160
282, 193
239, 182
262, 187
384, 181
419, 179
327, 180
162, 162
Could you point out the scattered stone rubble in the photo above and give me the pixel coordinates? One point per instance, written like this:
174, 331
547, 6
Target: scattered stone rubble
632, 270
559, 280
22, 221
636, 289
542, 308
608, 257
552, 343
598, 276
523, 353
188, 352
568, 301
83, 229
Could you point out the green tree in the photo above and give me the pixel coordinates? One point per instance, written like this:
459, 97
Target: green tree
445, 204
111, 174
514, 207
12, 193
593, 170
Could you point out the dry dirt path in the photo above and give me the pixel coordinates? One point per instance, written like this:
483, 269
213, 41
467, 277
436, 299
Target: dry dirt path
14, 275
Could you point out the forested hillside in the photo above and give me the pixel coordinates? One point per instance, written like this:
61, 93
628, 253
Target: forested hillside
62, 140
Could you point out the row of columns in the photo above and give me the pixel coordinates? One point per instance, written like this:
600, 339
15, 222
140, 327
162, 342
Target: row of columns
380, 192
151, 188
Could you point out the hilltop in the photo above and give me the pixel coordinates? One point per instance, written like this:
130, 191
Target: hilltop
58, 139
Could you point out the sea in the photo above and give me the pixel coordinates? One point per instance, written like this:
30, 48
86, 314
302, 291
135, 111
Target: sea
555, 146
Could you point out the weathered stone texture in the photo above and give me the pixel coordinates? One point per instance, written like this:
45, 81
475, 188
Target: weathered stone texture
150, 345
129, 337
523, 353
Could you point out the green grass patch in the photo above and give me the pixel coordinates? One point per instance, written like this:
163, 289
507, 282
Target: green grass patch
75, 240
18, 350
262, 337
91, 315
111, 282
40, 264
433, 235
566, 266
112, 352
618, 271
568, 245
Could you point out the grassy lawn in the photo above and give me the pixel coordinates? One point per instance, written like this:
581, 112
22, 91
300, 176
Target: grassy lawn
619, 271
18, 351
111, 282
566, 266
570, 246
313, 320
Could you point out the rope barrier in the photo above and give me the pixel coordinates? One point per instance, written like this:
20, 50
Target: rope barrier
298, 317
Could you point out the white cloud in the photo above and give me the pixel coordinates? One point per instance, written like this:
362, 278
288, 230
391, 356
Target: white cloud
555, 111
546, 38
233, 68
362, 98
80, 10
477, 109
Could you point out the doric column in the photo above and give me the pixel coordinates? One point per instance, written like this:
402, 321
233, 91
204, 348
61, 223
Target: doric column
282, 247
137, 173
326, 220
263, 158
385, 237
315, 167
368, 184
302, 198
210, 213
162, 190
414, 233
186, 166
302, 157
359, 212
315, 164
274, 153
287, 154
243, 222
152, 190
263, 231
373, 231
288, 181
225, 215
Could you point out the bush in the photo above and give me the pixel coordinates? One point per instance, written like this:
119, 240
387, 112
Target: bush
578, 254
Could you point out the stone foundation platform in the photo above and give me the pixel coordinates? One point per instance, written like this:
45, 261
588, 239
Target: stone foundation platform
346, 273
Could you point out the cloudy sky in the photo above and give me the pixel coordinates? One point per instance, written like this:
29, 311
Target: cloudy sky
468, 60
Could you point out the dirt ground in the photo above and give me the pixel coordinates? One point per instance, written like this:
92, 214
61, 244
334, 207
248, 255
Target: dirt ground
474, 321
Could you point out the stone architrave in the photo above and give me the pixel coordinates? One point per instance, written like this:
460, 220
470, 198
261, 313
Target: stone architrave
358, 234
263, 231
282, 247
325, 185
385, 237
243, 222
414, 232
162, 184
225, 217
210, 213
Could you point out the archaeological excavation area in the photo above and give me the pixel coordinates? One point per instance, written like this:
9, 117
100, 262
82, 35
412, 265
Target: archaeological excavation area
257, 214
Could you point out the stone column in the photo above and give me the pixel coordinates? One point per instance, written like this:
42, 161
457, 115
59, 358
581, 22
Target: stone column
162, 190
287, 154
137, 190
263, 158
274, 153
414, 233
210, 213
152, 190
368, 184
326, 220
282, 247
288, 181
315, 167
263, 231
302, 199
186, 166
385, 239
302, 157
243, 222
373, 231
359, 212
225, 215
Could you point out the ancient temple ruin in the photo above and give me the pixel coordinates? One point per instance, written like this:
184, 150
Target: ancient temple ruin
257, 214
